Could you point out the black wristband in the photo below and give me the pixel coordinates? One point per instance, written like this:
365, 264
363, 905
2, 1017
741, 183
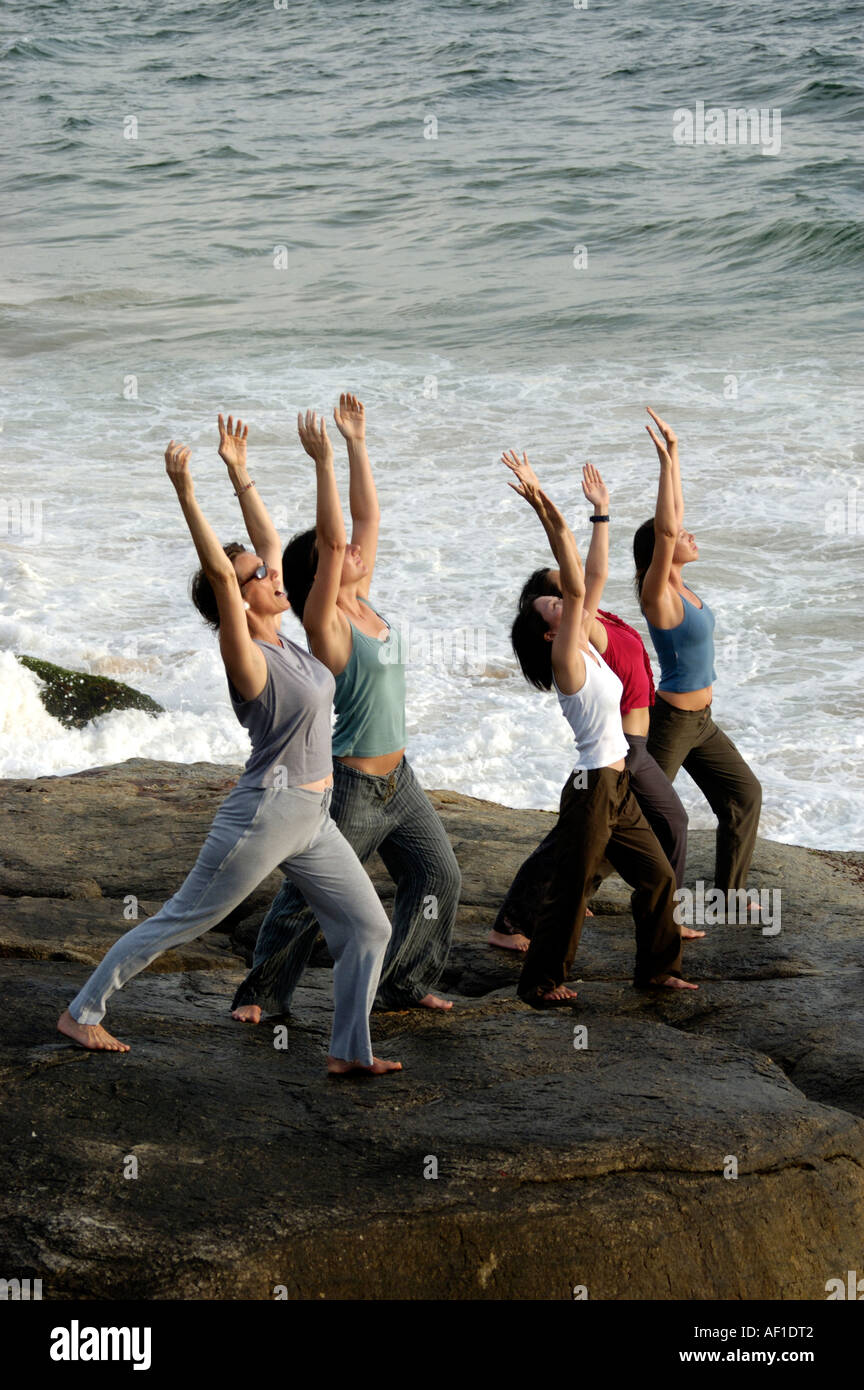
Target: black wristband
592, 519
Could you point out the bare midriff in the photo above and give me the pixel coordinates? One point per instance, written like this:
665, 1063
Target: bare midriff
320, 786
636, 721
688, 699
375, 767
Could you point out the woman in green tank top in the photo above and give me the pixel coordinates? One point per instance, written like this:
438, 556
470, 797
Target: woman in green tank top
378, 804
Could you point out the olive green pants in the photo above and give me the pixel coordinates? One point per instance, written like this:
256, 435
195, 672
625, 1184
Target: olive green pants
690, 739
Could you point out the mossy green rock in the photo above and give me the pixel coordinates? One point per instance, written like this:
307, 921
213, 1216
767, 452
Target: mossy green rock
75, 698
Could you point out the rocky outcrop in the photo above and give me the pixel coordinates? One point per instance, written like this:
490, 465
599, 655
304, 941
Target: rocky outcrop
503, 1162
74, 697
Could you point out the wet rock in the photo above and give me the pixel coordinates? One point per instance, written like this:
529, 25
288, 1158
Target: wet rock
74, 697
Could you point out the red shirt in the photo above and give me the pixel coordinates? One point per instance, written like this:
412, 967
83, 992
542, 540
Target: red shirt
626, 655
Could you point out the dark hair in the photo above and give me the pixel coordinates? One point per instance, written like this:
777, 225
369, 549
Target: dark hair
643, 553
201, 589
299, 563
528, 633
539, 584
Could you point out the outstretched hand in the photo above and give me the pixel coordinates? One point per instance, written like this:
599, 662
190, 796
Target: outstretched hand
314, 437
232, 442
350, 417
668, 449
528, 485
594, 487
177, 464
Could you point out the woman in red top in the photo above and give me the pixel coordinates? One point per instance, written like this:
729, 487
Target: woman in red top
624, 651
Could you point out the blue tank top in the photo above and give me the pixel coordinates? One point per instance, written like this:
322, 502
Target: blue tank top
686, 652
370, 696
289, 722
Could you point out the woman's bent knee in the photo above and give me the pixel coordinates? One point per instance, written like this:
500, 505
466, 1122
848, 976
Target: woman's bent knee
678, 822
376, 932
748, 800
449, 876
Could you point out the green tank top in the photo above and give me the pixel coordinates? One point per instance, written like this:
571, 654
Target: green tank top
370, 696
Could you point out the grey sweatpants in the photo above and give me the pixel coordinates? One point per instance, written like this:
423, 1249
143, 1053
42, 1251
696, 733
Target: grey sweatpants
257, 830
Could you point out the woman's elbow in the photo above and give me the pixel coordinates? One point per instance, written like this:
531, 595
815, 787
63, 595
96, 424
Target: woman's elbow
334, 544
222, 578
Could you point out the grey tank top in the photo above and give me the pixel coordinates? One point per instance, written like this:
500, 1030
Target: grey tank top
289, 723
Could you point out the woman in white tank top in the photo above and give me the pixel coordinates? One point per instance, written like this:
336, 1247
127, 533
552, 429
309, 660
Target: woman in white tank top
594, 713
599, 817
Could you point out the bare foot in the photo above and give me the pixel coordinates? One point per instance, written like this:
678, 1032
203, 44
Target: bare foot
431, 1001
688, 934
90, 1035
516, 942
672, 982
559, 995
337, 1066
247, 1013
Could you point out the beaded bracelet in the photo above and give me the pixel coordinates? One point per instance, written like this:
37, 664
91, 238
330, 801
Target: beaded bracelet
244, 488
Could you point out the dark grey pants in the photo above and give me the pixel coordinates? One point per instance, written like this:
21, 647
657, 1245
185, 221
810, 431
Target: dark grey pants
662, 808
394, 816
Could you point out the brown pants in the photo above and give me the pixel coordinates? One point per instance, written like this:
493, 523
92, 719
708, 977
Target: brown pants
602, 819
690, 739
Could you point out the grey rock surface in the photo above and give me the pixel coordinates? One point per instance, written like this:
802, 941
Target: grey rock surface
602, 1165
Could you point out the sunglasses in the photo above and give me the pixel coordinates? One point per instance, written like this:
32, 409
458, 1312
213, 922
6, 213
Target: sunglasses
260, 573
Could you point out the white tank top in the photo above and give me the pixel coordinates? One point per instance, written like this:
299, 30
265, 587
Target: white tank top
594, 715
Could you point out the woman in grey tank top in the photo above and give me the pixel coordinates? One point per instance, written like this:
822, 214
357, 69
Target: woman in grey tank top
277, 816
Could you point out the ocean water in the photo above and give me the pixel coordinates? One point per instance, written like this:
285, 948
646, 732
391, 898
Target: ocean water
475, 215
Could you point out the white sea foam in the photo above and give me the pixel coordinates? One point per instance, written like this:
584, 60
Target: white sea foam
104, 588
32, 743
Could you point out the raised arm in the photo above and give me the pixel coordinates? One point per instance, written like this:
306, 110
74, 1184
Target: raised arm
329, 632
568, 662
658, 605
671, 441
597, 559
350, 417
259, 528
244, 661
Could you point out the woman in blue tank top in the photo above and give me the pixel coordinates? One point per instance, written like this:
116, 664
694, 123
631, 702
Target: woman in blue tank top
278, 813
682, 732
378, 804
